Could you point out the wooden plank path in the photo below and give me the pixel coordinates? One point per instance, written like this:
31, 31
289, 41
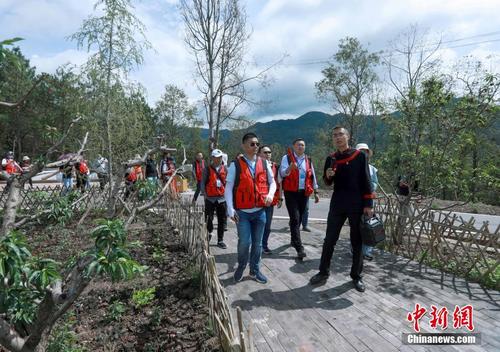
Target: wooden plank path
288, 314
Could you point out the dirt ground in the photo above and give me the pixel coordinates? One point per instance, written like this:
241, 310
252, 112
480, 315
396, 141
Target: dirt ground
107, 317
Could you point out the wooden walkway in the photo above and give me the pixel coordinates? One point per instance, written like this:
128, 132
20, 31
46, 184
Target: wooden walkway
290, 315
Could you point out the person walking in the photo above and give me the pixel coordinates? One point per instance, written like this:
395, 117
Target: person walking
250, 187
213, 183
167, 167
347, 169
151, 170
102, 170
82, 175
266, 153
299, 182
198, 167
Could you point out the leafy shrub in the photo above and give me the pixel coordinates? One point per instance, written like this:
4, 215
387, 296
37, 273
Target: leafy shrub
143, 297
116, 310
64, 339
23, 278
146, 189
110, 253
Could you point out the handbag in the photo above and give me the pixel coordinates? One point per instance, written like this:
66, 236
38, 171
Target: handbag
372, 230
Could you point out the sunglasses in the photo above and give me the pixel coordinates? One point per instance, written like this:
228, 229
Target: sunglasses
254, 144
267, 152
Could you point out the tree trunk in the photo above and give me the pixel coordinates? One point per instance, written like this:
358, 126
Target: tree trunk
475, 162
111, 204
13, 200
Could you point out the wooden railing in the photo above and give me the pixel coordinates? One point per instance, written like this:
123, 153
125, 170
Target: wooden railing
441, 239
190, 221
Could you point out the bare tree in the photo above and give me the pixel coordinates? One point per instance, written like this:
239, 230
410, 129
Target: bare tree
411, 59
216, 33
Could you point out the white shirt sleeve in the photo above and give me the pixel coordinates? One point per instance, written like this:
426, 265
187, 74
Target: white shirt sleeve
270, 179
315, 181
284, 165
228, 192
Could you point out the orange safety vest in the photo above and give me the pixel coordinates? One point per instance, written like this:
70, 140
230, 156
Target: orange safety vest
199, 166
250, 191
291, 182
276, 198
83, 168
211, 189
132, 177
11, 167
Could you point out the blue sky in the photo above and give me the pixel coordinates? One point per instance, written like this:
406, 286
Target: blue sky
307, 31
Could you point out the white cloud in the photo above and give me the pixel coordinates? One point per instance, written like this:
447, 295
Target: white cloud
49, 63
305, 29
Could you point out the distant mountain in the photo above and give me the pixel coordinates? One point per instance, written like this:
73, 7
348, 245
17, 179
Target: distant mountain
305, 126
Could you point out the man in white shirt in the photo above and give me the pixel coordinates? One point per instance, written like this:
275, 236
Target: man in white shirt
299, 182
249, 189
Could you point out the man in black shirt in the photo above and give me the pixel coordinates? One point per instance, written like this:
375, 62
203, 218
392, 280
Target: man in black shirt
151, 169
347, 169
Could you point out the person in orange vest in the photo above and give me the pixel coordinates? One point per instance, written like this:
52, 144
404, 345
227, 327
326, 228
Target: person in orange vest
198, 167
139, 172
250, 187
82, 175
130, 180
10, 166
167, 167
266, 153
299, 182
347, 169
213, 183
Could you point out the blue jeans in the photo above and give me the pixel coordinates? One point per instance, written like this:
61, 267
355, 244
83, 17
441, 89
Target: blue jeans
267, 229
67, 185
250, 231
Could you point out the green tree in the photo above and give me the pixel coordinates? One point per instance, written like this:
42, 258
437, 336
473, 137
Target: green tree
173, 111
114, 35
348, 80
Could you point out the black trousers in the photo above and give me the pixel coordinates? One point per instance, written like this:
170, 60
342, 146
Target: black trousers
197, 192
334, 226
220, 209
296, 205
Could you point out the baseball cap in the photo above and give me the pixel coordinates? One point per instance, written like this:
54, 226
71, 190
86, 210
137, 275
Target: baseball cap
216, 153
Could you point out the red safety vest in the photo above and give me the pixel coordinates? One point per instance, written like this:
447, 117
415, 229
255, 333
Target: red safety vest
199, 166
250, 192
83, 169
132, 176
211, 189
291, 182
276, 198
11, 167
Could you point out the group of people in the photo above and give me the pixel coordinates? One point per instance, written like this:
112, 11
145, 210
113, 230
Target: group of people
81, 170
249, 188
153, 171
10, 167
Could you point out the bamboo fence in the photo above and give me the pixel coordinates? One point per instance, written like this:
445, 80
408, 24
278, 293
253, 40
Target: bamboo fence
441, 239
189, 220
